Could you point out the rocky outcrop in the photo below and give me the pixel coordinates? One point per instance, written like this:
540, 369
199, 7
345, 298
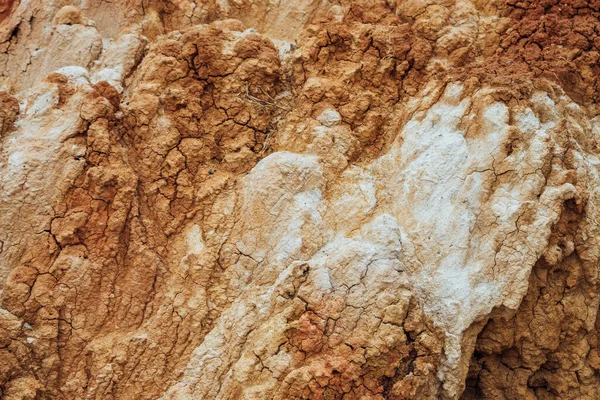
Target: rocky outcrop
299, 200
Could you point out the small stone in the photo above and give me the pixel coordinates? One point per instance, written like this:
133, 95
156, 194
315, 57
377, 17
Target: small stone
69, 15
329, 117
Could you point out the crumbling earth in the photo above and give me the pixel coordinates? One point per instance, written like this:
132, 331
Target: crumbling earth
351, 199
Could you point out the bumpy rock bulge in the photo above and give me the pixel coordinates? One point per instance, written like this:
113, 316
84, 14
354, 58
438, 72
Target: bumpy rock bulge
252, 199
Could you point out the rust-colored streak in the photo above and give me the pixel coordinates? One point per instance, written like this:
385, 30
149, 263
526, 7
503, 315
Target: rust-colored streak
6, 7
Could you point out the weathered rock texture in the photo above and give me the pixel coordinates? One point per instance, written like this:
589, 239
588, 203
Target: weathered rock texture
350, 199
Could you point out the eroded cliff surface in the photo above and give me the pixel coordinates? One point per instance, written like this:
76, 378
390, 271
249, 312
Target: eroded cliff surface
242, 199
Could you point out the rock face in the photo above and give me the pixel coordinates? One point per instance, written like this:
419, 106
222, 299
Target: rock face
252, 199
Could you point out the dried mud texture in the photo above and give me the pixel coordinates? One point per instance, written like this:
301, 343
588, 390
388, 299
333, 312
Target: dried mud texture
299, 200
556, 40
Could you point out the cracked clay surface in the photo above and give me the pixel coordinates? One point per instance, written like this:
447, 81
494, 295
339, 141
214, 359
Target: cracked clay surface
320, 199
